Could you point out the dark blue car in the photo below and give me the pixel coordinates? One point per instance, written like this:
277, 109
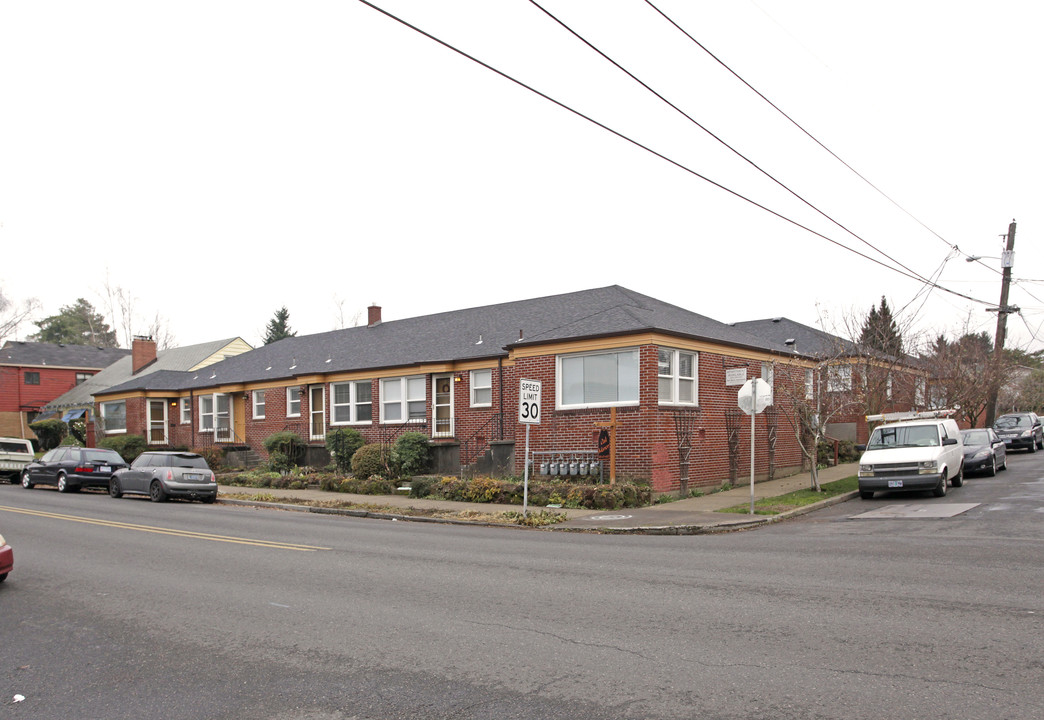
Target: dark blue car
71, 468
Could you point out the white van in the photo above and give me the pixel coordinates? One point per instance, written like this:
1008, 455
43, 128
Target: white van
922, 453
15, 454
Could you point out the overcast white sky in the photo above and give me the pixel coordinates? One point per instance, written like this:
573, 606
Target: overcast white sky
221, 159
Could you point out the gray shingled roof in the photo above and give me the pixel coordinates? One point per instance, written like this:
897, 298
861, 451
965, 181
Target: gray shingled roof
176, 359
808, 340
88, 357
474, 333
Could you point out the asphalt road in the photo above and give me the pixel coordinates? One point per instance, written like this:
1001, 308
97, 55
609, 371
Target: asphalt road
128, 609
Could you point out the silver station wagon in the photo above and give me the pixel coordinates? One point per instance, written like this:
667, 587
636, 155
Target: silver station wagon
166, 474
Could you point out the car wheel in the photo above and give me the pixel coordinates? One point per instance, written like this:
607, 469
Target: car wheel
210, 498
63, 483
3, 576
156, 493
992, 472
1004, 465
940, 489
866, 494
115, 490
26, 482
958, 479
1033, 446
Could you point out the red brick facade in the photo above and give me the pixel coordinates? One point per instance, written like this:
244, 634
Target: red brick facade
646, 436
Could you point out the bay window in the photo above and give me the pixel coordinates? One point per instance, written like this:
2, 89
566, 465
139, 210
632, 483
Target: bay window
601, 379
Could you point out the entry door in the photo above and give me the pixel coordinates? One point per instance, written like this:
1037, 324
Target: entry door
443, 385
157, 422
317, 411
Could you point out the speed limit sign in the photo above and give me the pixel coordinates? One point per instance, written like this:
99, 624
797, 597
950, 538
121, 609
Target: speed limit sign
529, 402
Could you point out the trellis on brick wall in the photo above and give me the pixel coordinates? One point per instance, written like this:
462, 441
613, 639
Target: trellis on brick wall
733, 423
685, 422
771, 425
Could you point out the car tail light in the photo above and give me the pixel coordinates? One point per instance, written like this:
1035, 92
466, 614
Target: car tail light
86, 469
170, 475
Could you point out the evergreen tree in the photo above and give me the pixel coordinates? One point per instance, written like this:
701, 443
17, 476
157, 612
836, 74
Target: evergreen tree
77, 324
881, 332
278, 327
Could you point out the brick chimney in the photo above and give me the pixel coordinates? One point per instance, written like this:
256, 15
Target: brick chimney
143, 352
373, 315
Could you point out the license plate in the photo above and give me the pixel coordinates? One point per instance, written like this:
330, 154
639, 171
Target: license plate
193, 476
105, 468
895, 483
1007, 441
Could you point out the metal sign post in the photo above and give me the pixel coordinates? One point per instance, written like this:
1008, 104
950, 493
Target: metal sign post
753, 398
528, 414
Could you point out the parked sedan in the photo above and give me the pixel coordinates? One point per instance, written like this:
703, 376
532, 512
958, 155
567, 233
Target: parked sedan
166, 474
71, 468
1020, 430
6, 559
984, 451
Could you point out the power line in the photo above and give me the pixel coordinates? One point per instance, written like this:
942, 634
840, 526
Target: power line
660, 155
732, 149
796, 124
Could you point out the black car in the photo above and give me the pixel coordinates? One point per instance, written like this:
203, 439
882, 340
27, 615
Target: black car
1020, 430
71, 468
984, 451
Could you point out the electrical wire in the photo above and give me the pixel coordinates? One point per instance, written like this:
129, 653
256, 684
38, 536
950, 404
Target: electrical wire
732, 149
660, 155
796, 124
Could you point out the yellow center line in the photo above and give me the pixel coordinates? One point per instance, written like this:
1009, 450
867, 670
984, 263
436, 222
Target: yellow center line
166, 531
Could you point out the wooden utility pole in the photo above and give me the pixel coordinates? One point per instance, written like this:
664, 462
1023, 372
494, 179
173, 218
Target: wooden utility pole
611, 426
1002, 326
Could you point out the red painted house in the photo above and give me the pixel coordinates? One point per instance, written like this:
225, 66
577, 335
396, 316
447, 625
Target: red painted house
33, 373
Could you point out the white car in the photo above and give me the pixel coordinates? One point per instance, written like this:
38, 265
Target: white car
912, 455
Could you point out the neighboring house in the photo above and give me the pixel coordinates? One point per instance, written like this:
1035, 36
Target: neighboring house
34, 373
669, 377
142, 360
853, 381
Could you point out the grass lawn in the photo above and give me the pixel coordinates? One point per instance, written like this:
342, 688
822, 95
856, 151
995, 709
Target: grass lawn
796, 499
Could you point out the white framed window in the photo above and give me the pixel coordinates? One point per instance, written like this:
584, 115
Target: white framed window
481, 388
293, 401
403, 399
257, 401
839, 378
603, 379
351, 402
206, 413
114, 416
186, 411
810, 384
676, 376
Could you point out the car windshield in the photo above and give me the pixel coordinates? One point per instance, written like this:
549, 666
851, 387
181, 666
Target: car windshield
904, 436
1012, 420
976, 437
104, 456
189, 461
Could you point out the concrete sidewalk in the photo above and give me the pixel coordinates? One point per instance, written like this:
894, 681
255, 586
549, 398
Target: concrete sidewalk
683, 517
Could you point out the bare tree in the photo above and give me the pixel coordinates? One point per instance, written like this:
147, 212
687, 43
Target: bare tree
121, 306
13, 315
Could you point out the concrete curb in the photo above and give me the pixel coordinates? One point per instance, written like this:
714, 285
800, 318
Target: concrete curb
696, 529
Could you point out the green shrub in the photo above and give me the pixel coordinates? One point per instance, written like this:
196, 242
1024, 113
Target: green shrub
78, 430
49, 432
412, 453
421, 487
374, 459
372, 485
342, 444
289, 444
280, 462
128, 446
70, 440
